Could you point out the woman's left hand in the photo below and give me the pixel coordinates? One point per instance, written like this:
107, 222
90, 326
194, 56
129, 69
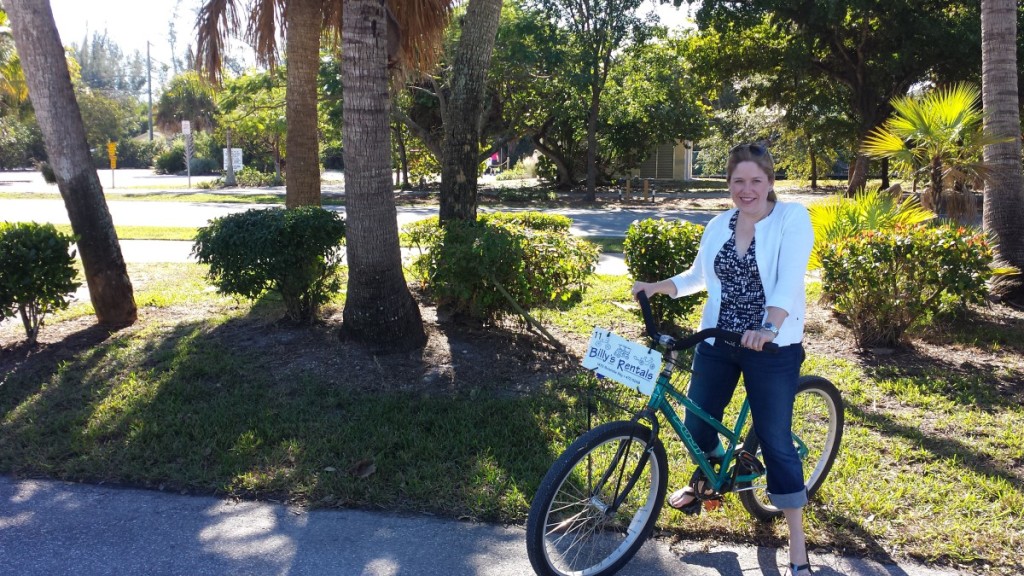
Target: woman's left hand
756, 339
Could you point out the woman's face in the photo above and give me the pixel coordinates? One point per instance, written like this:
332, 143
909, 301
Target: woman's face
748, 188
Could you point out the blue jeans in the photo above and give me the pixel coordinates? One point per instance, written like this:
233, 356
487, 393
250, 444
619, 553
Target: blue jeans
771, 381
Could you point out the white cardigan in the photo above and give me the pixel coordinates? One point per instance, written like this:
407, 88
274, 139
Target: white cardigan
782, 274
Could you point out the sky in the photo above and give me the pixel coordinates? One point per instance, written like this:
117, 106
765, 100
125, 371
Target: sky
133, 23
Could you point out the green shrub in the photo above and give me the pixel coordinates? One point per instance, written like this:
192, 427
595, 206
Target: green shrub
841, 217
464, 263
424, 233
296, 253
172, 159
525, 194
19, 143
659, 249
883, 281
49, 176
37, 273
202, 166
249, 177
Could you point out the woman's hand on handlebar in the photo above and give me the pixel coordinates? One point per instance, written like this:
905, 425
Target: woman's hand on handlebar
666, 287
756, 339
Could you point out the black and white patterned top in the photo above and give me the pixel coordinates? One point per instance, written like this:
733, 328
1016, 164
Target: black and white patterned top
743, 298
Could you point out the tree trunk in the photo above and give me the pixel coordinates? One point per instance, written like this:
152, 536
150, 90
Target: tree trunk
885, 174
302, 49
460, 146
595, 108
379, 308
59, 118
814, 169
1003, 215
858, 174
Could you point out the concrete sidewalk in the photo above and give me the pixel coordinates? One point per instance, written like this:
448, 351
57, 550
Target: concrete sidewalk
55, 528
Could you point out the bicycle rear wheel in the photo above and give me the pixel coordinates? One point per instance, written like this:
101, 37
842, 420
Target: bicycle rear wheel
572, 529
817, 432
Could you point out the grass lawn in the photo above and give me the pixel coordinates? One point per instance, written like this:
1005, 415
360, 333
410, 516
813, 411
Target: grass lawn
206, 394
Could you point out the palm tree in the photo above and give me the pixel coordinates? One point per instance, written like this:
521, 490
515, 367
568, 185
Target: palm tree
49, 84
379, 308
938, 138
302, 21
1003, 216
188, 97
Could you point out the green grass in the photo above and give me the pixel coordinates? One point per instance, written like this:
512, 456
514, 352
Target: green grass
932, 464
146, 232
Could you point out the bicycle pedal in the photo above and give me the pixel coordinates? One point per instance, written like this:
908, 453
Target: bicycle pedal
750, 462
712, 505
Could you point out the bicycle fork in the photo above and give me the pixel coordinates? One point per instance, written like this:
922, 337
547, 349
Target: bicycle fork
620, 456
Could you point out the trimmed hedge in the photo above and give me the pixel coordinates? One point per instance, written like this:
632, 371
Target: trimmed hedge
296, 253
531, 255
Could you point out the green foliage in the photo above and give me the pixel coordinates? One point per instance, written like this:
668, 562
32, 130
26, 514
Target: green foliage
532, 256
249, 177
937, 138
204, 161
659, 249
296, 253
20, 143
188, 97
131, 153
883, 281
49, 176
37, 272
839, 217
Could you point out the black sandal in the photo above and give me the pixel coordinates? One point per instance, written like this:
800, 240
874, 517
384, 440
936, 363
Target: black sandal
794, 570
695, 487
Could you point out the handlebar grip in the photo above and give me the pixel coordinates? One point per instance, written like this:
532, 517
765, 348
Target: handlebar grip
645, 309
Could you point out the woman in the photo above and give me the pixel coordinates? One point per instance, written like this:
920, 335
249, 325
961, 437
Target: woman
752, 260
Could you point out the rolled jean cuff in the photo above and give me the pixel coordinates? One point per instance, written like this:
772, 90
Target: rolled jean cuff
794, 500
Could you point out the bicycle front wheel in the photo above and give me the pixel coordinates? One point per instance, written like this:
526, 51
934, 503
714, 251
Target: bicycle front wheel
575, 527
817, 433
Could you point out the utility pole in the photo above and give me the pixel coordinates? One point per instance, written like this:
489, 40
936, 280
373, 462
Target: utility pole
149, 82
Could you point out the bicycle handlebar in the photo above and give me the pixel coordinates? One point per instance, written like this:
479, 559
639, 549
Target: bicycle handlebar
691, 340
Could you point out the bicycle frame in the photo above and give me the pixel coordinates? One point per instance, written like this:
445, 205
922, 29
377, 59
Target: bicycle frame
659, 403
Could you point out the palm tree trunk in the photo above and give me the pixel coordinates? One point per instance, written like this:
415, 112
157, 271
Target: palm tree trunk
302, 48
1003, 215
595, 109
379, 308
460, 147
60, 120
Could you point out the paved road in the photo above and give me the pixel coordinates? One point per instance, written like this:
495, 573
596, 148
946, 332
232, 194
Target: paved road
50, 528
604, 222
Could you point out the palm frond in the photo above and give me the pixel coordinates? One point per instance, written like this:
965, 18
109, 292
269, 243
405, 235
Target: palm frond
266, 18
421, 25
217, 20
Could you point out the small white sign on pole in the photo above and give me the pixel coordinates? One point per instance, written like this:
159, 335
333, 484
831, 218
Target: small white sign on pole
236, 158
186, 127
628, 363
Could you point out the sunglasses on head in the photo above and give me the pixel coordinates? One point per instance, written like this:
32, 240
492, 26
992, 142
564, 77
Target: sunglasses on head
755, 149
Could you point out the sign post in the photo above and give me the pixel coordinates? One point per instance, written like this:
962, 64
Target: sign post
186, 129
112, 153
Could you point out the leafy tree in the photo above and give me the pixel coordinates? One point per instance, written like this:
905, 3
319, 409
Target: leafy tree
253, 107
53, 99
106, 69
598, 28
1004, 198
876, 51
188, 97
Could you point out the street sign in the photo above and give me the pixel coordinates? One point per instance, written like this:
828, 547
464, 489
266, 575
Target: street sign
186, 127
112, 153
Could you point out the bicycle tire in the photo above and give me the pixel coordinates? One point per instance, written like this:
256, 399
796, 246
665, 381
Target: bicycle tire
568, 531
818, 420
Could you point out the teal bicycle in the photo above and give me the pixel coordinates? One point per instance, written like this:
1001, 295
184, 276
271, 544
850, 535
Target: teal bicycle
600, 500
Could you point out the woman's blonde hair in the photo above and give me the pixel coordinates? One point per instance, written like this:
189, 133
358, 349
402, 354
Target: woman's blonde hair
757, 154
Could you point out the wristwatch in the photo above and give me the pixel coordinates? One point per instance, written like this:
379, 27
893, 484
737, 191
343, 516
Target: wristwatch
771, 328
